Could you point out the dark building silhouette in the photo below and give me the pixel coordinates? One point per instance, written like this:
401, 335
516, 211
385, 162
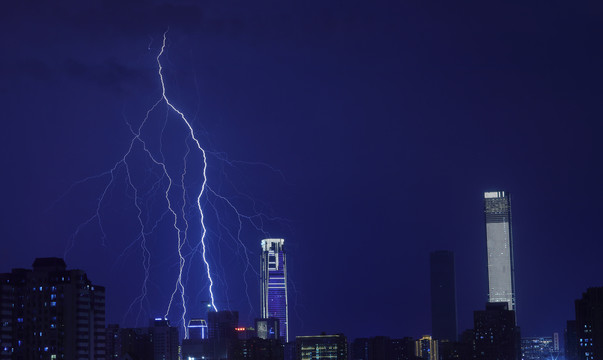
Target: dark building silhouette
222, 341
256, 348
290, 350
322, 347
113, 341
443, 296
128, 343
496, 336
589, 324
572, 350
383, 348
404, 349
51, 313
159, 341
458, 350
229, 341
360, 349
222, 324
165, 338
378, 347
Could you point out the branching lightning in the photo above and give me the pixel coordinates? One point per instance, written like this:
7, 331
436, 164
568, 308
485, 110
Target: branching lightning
203, 185
176, 194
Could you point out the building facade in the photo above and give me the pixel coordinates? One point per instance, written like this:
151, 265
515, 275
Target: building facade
197, 329
51, 313
165, 338
159, 341
539, 348
589, 324
427, 348
267, 328
496, 336
499, 237
443, 295
274, 284
322, 347
572, 350
222, 341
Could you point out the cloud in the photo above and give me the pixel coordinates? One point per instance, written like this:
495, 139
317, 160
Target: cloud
109, 75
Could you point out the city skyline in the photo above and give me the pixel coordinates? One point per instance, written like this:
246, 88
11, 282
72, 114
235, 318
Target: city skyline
363, 133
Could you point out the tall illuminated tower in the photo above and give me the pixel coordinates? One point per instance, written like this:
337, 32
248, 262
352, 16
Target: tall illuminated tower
501, 274
274, 284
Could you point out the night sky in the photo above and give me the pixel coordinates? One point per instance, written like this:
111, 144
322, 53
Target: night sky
364, 133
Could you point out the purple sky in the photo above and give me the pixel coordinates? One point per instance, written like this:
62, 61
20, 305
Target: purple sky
365, 132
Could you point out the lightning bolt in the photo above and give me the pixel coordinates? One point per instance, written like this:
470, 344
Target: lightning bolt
203, 185
180, 207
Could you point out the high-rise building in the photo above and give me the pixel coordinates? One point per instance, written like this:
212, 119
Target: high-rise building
443, 295
274, 284
322, 347
165, 338
501, 278
589, 324
159, 341
222, 324
427, 348
51, 313
496, 337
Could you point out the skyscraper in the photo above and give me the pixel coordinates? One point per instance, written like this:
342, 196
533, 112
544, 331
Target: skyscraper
443, 295
274, 284
501, 278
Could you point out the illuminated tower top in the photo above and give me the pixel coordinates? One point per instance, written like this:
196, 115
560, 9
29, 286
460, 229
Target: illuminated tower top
275, 245
501, 277
274, 284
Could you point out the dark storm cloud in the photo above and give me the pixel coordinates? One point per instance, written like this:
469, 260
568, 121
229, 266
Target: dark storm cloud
132, 18
109, 74
33, 69
100, 17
